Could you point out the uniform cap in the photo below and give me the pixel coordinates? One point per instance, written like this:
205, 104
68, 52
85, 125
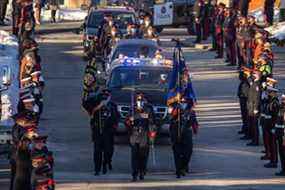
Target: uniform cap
271, 82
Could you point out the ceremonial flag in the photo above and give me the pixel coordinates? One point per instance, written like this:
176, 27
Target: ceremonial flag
180, 85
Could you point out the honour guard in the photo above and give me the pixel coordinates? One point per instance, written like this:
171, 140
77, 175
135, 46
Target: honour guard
141, 125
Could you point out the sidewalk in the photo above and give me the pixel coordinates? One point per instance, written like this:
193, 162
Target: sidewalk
47, 28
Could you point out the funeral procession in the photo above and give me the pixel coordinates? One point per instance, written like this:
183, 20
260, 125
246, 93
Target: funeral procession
142, 94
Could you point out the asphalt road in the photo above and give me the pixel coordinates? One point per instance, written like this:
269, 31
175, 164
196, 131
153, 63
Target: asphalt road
220, 160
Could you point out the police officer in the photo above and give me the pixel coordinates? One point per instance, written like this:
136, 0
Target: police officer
280, 135
16, 14
271, 114
3, 8
212, 19
230, 36
219, 30
253, 107
183, 121
140, 122
199, 20
103, 123
242, 46
269, 11
243, 96
145, 29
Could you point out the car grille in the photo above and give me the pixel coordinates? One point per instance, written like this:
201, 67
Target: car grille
160, 111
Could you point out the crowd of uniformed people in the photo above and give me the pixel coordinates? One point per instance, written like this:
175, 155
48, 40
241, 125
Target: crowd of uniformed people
140, 122
31, 161
247, 45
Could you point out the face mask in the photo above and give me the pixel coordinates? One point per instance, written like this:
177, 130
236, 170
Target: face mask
184, 106
170, 110
149, 32
141, 21
113, 32
110, 23
147, 23
133, 30
140, 104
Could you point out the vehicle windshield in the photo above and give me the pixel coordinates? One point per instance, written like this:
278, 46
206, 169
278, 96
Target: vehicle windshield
135, 51
143, 78
120, 18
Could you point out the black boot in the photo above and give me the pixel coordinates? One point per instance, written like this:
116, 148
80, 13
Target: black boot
270, 165
282, 173
104, 169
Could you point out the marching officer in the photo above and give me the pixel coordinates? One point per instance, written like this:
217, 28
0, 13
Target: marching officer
280, 135
242, 42
219, 30
243, 96
271, 115
103, 123
230, 36
140, 122
253, 107
199, 20
3, 9
183, 121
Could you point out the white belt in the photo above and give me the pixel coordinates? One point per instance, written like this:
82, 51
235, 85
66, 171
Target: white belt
280, 126
262, 115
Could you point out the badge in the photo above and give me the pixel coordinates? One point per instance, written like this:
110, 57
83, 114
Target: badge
144, 115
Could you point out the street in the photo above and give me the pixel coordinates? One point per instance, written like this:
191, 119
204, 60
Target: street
220, 160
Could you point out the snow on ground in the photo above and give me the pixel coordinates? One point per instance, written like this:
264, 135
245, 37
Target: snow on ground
258, 14
277, 31
9, 59
65, 15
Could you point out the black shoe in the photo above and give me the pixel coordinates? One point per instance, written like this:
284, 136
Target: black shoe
264, 157
252, 144
241, 132
212, 49
263, 151
230, 65
97, 173
244, 138
218, 57
110, 166
141, 176
104, 169
270, 165
135, 178
282, 173
178, 175
227, 60
197, 41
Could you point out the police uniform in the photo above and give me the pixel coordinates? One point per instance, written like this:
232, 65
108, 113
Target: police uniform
243, 96
271, 115
253, 107
182, 125
103, 123
200, 17
140, 123
230, 37
243, 7
212, 20
280, 135
219, 31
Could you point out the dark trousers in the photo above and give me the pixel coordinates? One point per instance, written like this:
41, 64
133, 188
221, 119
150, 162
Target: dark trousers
272, 142
220, 45
3, 8
269, 15
243, 109
139, 159
182, 151
281, 148
239, 57
206, 28
266, 134
103, 152
253, 129
214, 41
198, 27
53, 14
13, 173
231, 51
